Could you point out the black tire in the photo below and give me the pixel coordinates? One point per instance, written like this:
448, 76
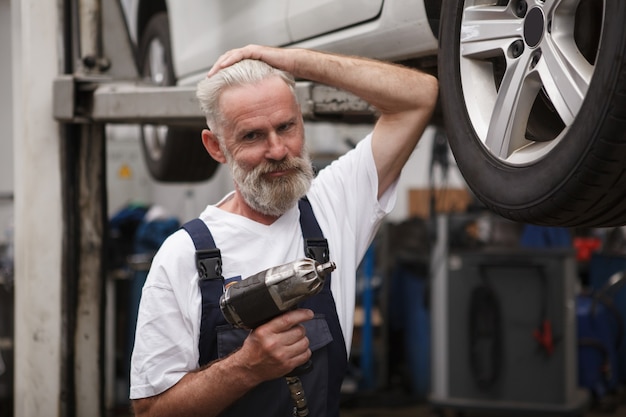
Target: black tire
577, 175
172, 153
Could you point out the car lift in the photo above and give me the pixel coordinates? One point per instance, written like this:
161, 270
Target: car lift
74, 72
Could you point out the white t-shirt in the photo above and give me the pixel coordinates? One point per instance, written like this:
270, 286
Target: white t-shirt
343, 198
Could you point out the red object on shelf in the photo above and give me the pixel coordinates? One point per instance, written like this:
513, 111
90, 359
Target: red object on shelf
585, 247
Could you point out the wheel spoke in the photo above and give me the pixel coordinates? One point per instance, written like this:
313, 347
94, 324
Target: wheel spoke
565, 77
510, 113
488, 30
565, 73
563, 6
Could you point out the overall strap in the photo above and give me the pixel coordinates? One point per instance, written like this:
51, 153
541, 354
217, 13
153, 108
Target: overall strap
211, 282
315, 245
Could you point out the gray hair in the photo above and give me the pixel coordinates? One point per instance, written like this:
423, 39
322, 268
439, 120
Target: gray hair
245, 72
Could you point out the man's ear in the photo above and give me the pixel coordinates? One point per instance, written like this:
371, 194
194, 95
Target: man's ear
212, 146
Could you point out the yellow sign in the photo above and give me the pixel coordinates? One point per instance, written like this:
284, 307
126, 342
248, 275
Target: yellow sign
125, 172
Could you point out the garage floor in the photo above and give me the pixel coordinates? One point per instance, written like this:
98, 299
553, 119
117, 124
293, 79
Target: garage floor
392, 404
424, 410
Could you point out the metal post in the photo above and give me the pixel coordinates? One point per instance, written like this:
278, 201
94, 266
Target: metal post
439, 295
85, 211
84, 191
38, 212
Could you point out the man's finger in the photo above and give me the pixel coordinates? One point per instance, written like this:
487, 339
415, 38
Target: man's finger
233, 56
290, 319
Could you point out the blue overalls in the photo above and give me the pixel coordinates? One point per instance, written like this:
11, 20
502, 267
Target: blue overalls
218, 338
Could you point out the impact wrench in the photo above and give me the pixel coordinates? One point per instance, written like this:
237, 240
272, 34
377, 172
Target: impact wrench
259, 298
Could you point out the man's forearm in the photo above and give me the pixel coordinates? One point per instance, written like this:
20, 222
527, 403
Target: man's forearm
390, 88
205, 392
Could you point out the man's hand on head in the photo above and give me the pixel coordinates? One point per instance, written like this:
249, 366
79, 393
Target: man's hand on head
276, 57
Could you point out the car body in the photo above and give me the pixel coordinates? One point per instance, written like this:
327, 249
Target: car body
202, 30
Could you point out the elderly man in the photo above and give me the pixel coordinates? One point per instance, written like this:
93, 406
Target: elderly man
256, 128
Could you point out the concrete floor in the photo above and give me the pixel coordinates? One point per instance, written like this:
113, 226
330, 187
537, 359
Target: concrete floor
393, 404
424, 410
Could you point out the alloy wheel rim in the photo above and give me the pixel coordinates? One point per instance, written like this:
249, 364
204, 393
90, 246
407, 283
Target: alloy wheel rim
523, 75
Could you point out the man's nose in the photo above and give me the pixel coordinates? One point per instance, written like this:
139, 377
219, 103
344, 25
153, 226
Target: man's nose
276, 148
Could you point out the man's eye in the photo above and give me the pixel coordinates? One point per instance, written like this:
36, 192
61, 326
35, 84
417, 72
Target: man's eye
251, 136
285, 127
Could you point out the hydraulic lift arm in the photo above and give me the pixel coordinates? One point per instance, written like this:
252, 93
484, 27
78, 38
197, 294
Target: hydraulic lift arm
87, 99
106, 88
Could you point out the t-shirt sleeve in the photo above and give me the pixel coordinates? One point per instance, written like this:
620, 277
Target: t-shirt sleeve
347, 191
166, 342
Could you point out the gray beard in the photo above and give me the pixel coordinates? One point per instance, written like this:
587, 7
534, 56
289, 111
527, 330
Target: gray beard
273, 196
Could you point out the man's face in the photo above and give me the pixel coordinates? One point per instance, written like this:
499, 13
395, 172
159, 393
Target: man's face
263, 142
